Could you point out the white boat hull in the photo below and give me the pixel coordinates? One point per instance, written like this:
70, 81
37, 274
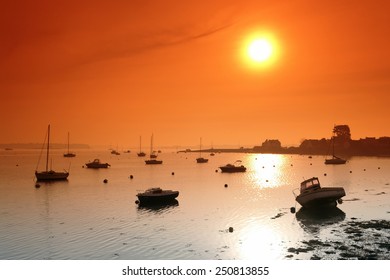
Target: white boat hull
320, 197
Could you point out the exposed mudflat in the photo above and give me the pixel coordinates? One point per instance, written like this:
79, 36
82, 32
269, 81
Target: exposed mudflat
352, 239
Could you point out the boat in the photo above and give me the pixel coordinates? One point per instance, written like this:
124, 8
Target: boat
153, 161
115, 152
50, 175
335, 159
152, 156
69, 154
97, 164
313, 195
157, 196
232, 168
200, 159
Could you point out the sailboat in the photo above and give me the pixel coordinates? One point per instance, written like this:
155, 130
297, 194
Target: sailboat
335, 159
141, 153
50, 175
69, 154
200, 159
152, 156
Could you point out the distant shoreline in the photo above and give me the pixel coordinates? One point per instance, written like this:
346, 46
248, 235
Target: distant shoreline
34, 146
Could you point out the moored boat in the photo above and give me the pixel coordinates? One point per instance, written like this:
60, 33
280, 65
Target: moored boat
157, 196
335, 159
313, 195
141, 153
152, 155
50, 175
97, 164
69, 154
201, 159
232, 168
153, 161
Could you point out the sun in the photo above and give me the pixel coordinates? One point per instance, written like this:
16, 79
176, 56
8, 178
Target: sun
260, 50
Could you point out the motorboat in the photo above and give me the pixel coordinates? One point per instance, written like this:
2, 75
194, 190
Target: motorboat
231, 168
313, 195
97, 164
202, 160
49, 174
157, 196
153, 161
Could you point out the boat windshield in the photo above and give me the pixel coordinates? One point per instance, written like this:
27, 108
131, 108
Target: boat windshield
311, 183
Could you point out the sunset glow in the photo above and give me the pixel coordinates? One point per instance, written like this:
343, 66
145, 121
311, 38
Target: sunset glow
236, 73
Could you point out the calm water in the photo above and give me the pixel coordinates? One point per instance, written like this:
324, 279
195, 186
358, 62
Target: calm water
83, 218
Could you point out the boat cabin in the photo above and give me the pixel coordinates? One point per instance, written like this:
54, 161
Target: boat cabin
310, 185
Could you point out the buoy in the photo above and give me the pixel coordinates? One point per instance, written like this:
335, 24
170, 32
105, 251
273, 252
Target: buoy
131, 177
230, 229
364, 169
136, 202
37, 185
216, 170
266, 181
350, 171
82, 166
292, 210
105, 181
324, 174
173, 173
379, 168
226, 185
311, 164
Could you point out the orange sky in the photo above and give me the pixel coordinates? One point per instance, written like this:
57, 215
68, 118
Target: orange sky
110, 71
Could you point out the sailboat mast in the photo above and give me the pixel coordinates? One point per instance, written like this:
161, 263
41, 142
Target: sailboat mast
151, 146
200, 147
68, 142
48, 146
333, 138
140, 144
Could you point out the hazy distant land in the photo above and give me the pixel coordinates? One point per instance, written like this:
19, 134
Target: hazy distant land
39, 146
343, 146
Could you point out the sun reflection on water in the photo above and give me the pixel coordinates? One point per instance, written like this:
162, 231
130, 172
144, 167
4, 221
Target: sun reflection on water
260, 241
268, 170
